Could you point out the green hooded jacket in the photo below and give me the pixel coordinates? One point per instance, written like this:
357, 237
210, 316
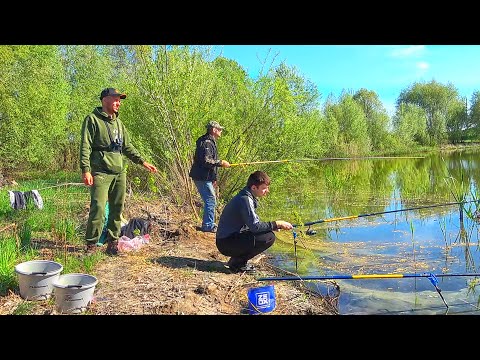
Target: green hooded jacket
95, 152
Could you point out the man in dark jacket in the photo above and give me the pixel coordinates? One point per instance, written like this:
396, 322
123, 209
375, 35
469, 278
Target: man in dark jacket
104, 141
241, 235
204, 172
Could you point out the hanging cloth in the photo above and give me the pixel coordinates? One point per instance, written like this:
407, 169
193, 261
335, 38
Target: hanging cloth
17, 200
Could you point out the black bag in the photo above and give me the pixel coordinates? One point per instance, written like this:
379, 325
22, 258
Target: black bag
142, 226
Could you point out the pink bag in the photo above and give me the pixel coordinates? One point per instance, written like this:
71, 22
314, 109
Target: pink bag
126, 244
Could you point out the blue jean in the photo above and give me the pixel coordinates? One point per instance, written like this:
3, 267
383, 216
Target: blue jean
207, 192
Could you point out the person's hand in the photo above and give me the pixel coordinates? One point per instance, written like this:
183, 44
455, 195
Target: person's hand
149, 167
225, 163
87, 178
283, 225
214, 183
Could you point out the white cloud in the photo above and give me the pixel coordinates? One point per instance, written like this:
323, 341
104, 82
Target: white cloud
408, 51
422, 65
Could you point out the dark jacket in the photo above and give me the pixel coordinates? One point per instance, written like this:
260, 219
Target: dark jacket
142, 225
239, 215
205, 161
95, 141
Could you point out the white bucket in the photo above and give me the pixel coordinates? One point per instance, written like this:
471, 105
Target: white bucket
74, 292
35, 278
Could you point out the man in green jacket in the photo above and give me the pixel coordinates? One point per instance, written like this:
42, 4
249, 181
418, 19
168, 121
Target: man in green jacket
104, 141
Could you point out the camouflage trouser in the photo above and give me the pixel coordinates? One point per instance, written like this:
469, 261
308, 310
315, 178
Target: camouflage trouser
105, 187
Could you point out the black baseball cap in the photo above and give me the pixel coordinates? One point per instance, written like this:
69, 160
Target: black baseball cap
112, 92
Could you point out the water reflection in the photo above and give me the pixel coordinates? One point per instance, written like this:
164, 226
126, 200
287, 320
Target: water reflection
437, 240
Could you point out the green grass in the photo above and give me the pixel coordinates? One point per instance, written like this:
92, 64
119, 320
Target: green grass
84, 264
60, 222
11, 255
25, 308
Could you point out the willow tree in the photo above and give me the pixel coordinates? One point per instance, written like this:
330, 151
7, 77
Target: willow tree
410, 126
174, 97
348, 115
474, 115
376, 116
89, 69
296, 100
277, 118
436, 99
282, 125
33, 106
457, 121
237, 108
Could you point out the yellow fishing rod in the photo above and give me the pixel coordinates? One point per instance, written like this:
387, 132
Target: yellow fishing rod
381, 212
432, 277
326, 159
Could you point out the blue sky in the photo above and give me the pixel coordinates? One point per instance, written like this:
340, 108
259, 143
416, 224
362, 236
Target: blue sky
385, 69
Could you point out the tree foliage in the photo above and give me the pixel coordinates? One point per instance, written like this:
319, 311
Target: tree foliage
410, 123
33, 106
437, 100
353, 138
173, 91
376, 117
474, 116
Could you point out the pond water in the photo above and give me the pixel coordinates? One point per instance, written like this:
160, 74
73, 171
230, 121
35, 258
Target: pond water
415, 235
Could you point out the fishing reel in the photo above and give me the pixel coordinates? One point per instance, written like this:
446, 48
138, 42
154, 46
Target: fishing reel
310, 232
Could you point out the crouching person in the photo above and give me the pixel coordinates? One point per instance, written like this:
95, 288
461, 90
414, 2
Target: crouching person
240, 234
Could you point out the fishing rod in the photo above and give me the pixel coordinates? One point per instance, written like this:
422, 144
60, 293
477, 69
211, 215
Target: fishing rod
432, 277
327, 159
381, 212
359, 276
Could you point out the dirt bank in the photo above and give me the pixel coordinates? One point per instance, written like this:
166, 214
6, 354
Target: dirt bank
179, 272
